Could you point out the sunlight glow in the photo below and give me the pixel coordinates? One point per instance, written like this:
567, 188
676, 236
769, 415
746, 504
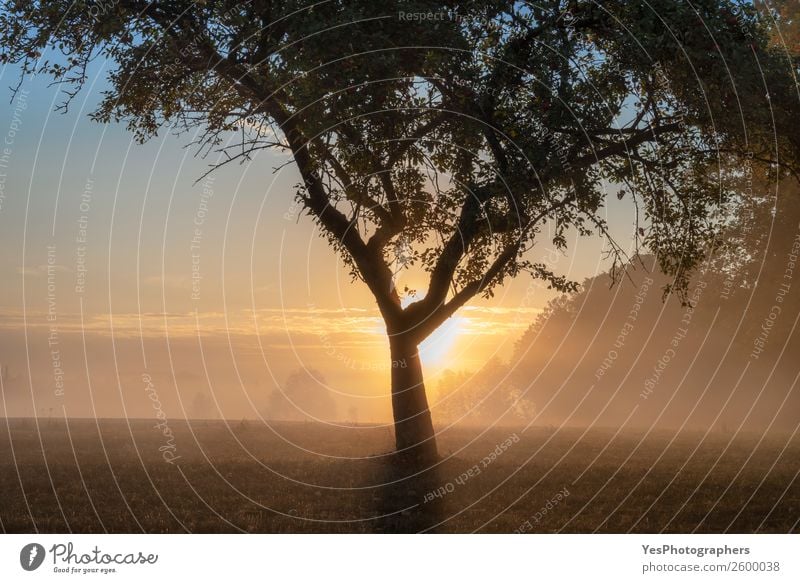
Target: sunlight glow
435, 349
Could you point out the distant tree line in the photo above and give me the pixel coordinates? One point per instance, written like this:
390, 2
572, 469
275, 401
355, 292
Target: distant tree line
723, 357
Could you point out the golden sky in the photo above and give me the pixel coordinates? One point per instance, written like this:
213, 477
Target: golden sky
128, 251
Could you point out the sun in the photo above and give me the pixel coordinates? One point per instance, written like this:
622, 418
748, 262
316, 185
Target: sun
436, 348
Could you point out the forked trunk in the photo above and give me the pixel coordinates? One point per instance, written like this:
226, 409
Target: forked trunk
413, 428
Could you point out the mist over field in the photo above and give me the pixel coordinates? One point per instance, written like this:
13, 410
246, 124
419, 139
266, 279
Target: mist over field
608, 356
622, 355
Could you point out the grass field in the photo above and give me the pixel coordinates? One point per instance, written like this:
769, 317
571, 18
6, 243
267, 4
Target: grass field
109, 476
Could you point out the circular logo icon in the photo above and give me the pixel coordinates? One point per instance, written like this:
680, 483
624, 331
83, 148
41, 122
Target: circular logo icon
31, 556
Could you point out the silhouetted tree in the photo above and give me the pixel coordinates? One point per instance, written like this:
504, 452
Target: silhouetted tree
449, 132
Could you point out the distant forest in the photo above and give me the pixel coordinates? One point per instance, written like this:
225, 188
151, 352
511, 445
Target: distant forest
725, 356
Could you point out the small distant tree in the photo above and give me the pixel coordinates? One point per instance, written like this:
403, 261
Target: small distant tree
455, 132
202, 406
352, 414
303, 396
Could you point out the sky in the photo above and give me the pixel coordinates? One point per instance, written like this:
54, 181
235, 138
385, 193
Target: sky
119, 261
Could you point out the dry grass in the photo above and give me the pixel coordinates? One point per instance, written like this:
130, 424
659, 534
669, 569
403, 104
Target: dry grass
89, 476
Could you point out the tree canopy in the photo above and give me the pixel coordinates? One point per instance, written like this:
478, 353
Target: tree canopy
454, 131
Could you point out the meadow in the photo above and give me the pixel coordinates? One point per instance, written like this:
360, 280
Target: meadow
90, 476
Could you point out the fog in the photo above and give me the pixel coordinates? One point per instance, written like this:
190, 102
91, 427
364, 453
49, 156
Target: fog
721, 357
624, 354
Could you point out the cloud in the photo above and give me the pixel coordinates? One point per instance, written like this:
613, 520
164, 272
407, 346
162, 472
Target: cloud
168, 281
41, 270
307, 326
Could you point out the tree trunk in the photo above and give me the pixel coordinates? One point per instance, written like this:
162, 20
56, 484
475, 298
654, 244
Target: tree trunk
413, 428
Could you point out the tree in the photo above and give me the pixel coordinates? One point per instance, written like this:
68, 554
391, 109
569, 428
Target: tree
593, 355
454, 133
487, 396
304, 396
202, 406
785, 18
